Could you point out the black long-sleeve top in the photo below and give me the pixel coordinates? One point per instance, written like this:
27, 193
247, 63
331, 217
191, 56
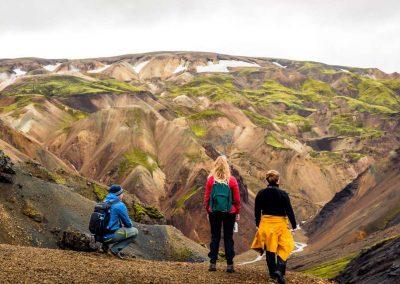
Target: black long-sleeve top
273, 201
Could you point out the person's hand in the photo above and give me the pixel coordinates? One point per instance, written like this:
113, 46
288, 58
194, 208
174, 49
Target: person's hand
295, 229
237, 217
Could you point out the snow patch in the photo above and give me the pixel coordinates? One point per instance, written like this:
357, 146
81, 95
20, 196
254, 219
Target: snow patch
98, 70
258, 258
222, 66
299, 247
279, 65
19, 71
73, 68
51, 67
182, 67
3, 76
139, 67
25, 127
344, 70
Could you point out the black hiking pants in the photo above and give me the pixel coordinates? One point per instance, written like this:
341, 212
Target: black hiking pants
219, 220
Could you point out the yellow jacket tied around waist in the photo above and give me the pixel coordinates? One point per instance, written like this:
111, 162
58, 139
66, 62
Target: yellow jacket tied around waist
273, 235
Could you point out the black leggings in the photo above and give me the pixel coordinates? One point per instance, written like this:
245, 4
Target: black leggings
226, 221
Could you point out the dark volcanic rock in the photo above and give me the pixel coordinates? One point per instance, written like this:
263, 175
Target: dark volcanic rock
333, 206
6, 168
379, 264
78, 241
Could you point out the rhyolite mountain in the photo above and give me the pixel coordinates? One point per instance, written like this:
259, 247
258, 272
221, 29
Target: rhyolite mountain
154, 122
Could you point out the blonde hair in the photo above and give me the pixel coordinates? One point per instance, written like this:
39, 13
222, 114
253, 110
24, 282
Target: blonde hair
221, 170
272, 177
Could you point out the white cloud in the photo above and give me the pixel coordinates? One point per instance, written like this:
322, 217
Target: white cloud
350, 33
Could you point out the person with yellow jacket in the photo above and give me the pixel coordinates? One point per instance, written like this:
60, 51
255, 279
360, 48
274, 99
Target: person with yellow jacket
273, 211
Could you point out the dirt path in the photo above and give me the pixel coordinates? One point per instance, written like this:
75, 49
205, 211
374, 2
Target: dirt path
37, 265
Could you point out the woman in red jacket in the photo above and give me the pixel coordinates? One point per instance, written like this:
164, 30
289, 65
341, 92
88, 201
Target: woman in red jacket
222, 202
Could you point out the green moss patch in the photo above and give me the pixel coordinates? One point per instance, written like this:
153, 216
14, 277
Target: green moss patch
206, 115
99, 191
20, 102
374, 92
181, 201
68, 85
30, 210
258, 119
354, 156
182, 254
316, 91
317, 87
216, 86
302, 122
272, 92
327, 157
330, 269
140, 212
137, 157
273, 140
199, 130
362, 106
348, 125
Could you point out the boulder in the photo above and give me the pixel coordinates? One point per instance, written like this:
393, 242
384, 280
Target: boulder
73, 239
6, 168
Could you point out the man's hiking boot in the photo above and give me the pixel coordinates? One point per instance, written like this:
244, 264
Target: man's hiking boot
118, 254
105, 247
213, 267
229, 268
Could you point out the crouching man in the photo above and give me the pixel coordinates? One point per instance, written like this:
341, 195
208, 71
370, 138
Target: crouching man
122, 233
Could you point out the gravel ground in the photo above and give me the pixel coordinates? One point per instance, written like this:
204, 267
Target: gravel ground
37, 265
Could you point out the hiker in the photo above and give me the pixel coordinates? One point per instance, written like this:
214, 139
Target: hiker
119, 232
222, 202
272, 210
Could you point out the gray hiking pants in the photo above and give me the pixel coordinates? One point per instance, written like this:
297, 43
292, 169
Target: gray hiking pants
122, 238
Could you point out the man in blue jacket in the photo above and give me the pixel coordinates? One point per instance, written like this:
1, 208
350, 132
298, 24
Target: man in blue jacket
120, 223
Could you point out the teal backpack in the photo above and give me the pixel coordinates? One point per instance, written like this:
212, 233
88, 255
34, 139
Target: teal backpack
221, 198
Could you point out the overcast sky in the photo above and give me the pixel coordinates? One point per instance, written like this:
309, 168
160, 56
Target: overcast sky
347, 32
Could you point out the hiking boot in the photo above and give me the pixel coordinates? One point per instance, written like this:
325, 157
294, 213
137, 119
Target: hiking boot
105, 247
229, 268
280, 278
213, 267
281, 268
118, 254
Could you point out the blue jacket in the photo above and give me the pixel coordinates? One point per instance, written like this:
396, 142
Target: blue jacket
118, 214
